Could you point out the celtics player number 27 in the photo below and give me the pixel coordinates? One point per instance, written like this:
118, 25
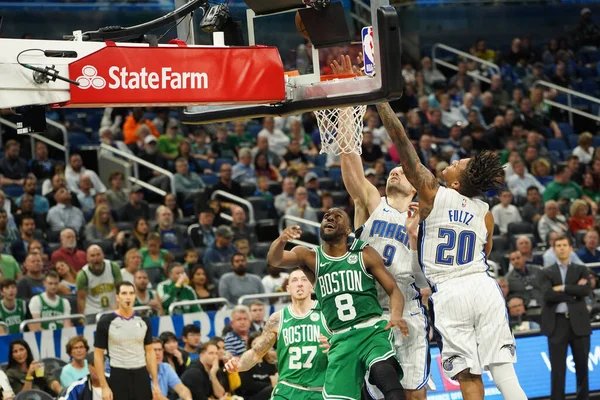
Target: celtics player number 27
296, 354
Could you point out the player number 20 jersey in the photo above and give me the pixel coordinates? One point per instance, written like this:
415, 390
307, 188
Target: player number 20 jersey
452, 238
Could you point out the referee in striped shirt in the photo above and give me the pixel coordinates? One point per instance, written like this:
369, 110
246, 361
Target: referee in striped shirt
128, 340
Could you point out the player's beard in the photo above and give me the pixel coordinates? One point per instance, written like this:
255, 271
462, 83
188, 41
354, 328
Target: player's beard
397, 189
328, 237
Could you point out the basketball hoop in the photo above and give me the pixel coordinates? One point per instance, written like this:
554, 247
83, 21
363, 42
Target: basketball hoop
341, 129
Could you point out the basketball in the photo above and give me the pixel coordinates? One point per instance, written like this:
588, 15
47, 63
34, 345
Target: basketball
300, 26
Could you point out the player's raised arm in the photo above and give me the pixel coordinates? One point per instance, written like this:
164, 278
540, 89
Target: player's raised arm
416, 173
281, 258
374, 264
261, 346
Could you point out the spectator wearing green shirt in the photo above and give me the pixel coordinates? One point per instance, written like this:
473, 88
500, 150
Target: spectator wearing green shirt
306, 144
562, 187
168, 144
9, 266
240, 137
176, 289
222, 148
153, 256
7, 235
186, 181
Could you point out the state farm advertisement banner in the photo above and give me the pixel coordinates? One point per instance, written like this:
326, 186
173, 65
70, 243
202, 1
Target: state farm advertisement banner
124, 75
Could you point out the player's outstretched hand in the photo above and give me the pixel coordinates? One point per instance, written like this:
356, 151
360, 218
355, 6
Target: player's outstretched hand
232, 365
344, 68
324, 344
290, 233
399, 324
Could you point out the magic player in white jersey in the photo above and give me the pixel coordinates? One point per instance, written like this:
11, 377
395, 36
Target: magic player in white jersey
454, 241
384, 223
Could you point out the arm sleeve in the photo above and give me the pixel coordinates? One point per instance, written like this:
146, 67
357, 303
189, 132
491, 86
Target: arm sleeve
172, 378
116, 271
101, 341
81, 282
418, 274
224, 289
148, 336
35, 305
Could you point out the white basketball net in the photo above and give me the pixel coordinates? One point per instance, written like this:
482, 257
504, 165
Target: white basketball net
341, 129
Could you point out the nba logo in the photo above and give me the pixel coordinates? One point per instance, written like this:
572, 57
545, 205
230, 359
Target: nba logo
368, 50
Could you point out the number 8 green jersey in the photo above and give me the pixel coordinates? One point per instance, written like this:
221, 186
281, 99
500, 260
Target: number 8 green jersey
346, 291
301, 361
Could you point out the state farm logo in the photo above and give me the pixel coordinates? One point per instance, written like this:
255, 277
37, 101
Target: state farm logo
90, 78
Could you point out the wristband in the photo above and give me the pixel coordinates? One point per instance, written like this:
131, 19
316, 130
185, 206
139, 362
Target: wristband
29, 378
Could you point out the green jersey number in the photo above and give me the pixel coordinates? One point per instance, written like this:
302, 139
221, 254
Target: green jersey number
296, 354
345, 307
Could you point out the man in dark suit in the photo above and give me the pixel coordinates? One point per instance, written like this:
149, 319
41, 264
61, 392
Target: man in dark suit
566, 320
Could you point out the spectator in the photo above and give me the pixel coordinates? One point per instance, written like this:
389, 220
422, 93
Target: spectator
263, 168
132, 263
243, 247
13, 310
226, 183
190, 336
185, 152
170, 201
451, 116
430, 73
278, 141
174, 238
167, 378
144, 296
133, 123
233, 285
461, 74
240, 137
480, 50
222, 250
525, 281
24, 373
58, 182
371, 152
537, 74
537, 122
242, 171
86, 194
202, 287
177, 358
521, 180
77, 349
41, 166
297, 132
153, 256
585, 150
26, 209
580, 220
286, 198
168, 144
240, 227
576, 168
465, 150
257, 316
524, 246
68, 250
9, 268
101, 226
518, 319
302, 209
13, 169
175, 289
67, 285
8, 236
275, 282
151, 154
96, 284
505, 213
49, 304
549, 255
206, 219
20, 246
191, 259
500, 96
552, 221
202, 377
186, 181
221, 147
63, 214
262, 190
258, 382
533, 208
236, 340
469, 107
561, 75
73, 174
116, 196
562, 187
590, 253
136, 207
87, 387
294, 154
262, 146
40, 203
32, 282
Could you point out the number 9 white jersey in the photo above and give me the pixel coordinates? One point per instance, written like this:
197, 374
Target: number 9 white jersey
452, 238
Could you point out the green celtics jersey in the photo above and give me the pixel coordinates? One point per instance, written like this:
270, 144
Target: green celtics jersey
150, 295
301, 361
346, 291
49, 311
14, 317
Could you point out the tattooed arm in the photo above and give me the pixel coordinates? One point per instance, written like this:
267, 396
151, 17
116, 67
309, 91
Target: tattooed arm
262, 345
417, 174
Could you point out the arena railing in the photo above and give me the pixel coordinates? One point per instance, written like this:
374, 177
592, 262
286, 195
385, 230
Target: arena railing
236, 199
570, 94
246, 297
493, 67
138, 308
136, 161
216, 300
24, 324
64, 148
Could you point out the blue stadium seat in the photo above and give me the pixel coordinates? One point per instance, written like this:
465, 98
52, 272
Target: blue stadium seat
585, 73
557, 145
221, 161
335, 173
566, 129
209, 179
566, 154
589, 86
320, 171
78, 139
253, 129
204, 164
555, 156
596, 141
572, 140
320, 160
13, 191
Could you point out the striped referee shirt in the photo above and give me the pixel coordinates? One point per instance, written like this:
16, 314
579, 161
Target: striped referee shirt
124, 339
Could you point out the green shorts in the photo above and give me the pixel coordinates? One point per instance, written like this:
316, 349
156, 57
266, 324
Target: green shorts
286, 392
351, 355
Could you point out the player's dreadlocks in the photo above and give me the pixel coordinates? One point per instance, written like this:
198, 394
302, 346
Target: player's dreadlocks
484, 172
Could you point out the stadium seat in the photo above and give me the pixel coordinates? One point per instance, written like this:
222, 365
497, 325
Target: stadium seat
53, 236
556, 145
320, 160
261, 249
579, 235
155, 275
217, 270
209, 179
106, 245
248, 189
326, 183
257, 266
153, 207
260, 205
335, 173
320, 171
125, 226
221, 161
52, 247
13, 191
267, 230
566, 129
275, 188
500, 242
340, 198
520, 227
596, 141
